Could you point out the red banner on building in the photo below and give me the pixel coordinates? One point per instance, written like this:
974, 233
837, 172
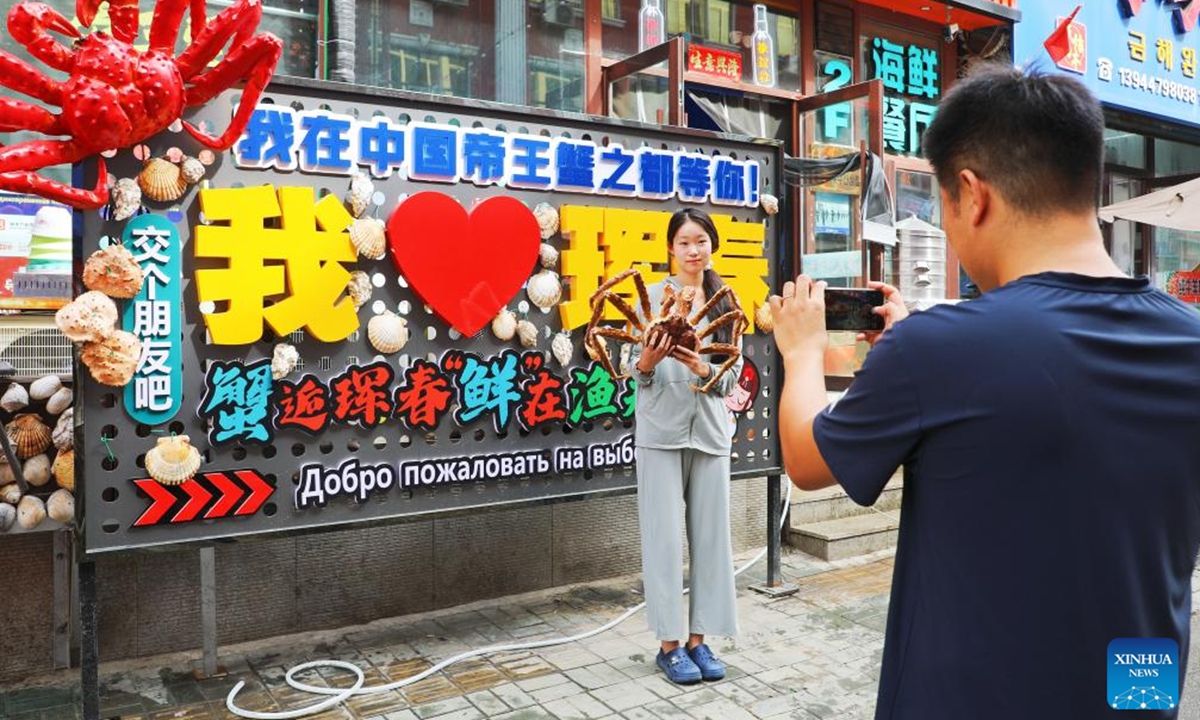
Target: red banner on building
719, 63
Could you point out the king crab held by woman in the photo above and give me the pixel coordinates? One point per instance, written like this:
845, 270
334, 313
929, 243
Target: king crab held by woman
117, 96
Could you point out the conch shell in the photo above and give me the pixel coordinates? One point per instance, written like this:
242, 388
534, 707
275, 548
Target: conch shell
88, 318
60, 401
388, 332
173, 460
28, 435
126, 198
763, 319
283, 360
547, 219
770, 203
527, 333
562, 347
30, 512
64, 431
548, 256
44, 387
162, 180
14, 398
61, 506
37, 470
544, 289
64, 469
504, 325
359, 197
369, 237
113, 360
360, 288
192, 170
114, 272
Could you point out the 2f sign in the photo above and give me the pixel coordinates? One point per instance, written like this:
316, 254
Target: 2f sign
836, 118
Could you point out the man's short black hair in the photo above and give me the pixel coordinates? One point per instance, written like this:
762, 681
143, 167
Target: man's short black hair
1037, 138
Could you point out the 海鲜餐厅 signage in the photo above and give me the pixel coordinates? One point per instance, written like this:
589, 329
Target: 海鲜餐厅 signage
1134, 55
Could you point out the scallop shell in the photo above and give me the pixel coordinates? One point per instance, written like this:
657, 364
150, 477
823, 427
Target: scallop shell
173, 460
283, 360
544, 289
369, 237
114, 359
547, 218
60, 401
388, 332
8, 516
36, 470
61, 506
162, 180
562, 347
88, 318
126, 198
504, 325
192, 170
527, 333
113, 271
763, 319
29, 435
14, 398
64, 469
64, 431
10, 494
44, 387
548, 256
360, 288
30, 512
358, 199
770, 203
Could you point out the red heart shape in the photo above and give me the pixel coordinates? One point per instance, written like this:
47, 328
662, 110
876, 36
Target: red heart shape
465, 266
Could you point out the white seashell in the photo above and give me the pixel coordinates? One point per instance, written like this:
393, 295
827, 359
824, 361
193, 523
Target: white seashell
763, 319
369, 236
8, 516
44, 387
504, 325
14, 398
770, 203
173, 460
6, 472
548, 256
544, 289
192, 170
527, 333
284, 360
562, 347
64, 432
60, 401
360, 288
36, 470
547, 218
91, 317
61, 506
10, 493
30, 512
359, 197
126, 198
388, 332
623, 361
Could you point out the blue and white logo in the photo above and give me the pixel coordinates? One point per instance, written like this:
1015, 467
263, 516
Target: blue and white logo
1143, 674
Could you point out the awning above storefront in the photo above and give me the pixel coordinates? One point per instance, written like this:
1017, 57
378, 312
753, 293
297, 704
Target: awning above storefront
1175, 207
967, 14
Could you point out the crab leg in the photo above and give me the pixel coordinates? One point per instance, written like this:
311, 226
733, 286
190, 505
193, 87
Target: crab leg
25, 79
168, 18
716, 298
668, 300
618, 334
629, 313
237, 21
610, 283
253, 62
34, 184
718, 348
28, 23
605, 361
16, 115
643, 296
731, 316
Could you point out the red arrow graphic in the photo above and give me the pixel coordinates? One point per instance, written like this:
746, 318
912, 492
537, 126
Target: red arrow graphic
162, 499
198, 497
260, 490
230, 492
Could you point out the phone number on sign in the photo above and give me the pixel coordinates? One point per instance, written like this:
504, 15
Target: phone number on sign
1158, 86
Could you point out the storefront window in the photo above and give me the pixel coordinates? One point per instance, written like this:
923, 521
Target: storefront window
1124, 149
1175, 158
1174, 250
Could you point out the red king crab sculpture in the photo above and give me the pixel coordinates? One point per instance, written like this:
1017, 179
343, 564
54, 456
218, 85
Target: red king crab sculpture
117, 96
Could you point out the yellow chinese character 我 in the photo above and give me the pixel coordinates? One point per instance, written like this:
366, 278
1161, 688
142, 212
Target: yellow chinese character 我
1188, 64
298, 266
1165, 50
1137, 46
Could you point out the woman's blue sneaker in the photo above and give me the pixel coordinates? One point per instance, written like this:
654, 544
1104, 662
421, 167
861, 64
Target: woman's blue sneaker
678, 667
710, 667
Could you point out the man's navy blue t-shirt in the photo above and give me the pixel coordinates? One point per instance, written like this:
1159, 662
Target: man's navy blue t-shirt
1050, 432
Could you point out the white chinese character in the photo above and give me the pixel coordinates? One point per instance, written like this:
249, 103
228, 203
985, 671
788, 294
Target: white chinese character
152, 393
152, 318
155, 355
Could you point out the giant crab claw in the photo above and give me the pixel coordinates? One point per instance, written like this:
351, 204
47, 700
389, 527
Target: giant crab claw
123, 15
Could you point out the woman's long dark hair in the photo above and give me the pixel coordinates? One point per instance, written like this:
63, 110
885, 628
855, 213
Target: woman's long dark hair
712, 281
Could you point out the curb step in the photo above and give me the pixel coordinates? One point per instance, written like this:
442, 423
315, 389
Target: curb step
829, 525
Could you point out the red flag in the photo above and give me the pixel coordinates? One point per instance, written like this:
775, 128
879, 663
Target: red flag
1058, 44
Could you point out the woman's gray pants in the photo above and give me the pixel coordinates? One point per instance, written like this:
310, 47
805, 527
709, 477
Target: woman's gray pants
666, 479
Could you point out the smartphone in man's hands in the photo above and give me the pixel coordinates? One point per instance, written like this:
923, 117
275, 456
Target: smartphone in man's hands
853, 309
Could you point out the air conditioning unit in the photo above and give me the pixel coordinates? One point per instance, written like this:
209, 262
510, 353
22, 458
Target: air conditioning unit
35, 346
560, 13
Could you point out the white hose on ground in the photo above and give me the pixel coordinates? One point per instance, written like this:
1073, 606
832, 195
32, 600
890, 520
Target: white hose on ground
338, 695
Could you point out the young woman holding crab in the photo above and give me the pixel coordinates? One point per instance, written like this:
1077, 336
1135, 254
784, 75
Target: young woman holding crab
683, 436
